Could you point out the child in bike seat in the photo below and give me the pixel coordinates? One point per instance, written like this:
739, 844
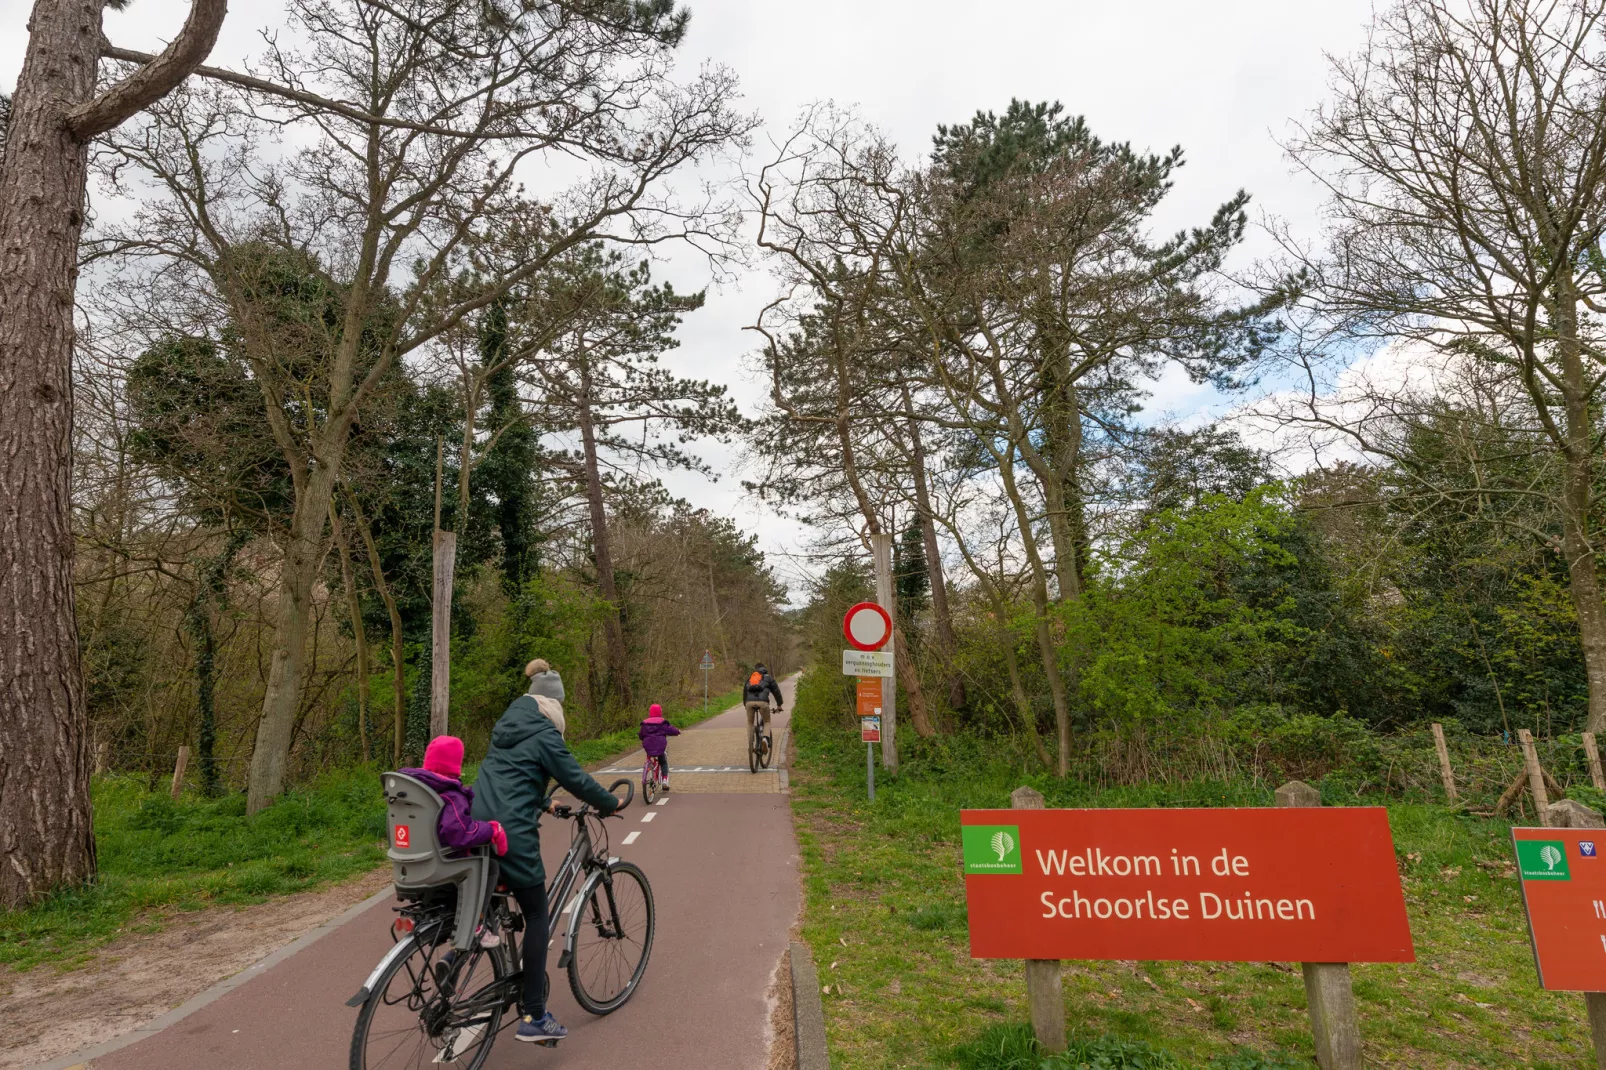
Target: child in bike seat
654, 735
457, 830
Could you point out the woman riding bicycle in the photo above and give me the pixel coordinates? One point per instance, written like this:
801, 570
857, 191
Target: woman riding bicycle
527, 752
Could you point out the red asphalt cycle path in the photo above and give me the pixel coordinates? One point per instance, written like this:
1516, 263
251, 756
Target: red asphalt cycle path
725, 880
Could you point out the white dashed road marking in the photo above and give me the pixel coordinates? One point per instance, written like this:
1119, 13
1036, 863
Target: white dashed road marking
663, 802
648, 816
630, 839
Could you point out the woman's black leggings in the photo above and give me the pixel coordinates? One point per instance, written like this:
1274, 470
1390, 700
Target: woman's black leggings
532, 902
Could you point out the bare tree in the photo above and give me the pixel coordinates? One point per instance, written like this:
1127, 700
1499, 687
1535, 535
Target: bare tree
46, 838
1465, 158
420, 120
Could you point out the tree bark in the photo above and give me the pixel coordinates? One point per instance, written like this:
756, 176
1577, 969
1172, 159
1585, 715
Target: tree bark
1577, 502
398, 664
270, 755
613, 627
943, 618
358, 632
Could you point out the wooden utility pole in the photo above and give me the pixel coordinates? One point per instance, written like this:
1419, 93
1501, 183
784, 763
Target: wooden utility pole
1536, 775
1445, 772
886, 598
1328, 990
1045, 995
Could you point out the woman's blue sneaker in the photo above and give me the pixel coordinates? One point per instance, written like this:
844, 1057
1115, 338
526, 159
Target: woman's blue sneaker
544, 1030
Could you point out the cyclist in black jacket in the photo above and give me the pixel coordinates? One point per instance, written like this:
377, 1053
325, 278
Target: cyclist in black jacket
757, 691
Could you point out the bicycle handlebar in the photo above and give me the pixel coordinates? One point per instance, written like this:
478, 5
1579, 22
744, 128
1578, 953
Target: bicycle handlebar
586, 810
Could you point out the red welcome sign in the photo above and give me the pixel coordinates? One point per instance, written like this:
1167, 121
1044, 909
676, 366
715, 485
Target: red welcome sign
1296, 884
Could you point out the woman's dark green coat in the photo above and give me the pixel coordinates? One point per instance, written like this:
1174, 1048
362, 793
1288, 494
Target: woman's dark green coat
527, 753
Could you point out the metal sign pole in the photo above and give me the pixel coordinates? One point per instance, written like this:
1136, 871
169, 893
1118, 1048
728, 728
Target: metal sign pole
869, 768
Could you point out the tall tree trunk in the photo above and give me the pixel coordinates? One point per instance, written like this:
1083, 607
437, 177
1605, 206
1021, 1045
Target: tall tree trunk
1047, 651
940, 613
613, 627
358, 632
46, 833
1577, 502
270, 755
46, 839
211, 592
398, 663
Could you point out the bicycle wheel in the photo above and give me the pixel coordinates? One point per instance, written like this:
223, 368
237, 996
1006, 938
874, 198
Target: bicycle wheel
752, 747
766, 749
649, 781
612, 938
432, 1006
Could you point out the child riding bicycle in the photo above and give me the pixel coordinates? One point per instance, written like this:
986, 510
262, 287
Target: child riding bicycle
654, 735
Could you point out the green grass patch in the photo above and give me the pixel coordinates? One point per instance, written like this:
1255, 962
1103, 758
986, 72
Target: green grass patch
884, 914
603, 747
158, 854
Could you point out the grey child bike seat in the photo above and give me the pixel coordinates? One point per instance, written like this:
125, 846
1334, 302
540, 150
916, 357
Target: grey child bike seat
419, 865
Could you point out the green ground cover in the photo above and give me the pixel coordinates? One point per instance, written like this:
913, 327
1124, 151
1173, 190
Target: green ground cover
885, 916
159, 855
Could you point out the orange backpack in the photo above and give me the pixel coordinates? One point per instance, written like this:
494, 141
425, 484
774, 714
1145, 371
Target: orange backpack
756, 679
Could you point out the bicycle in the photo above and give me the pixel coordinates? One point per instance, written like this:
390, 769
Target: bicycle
760, 744
653, 776
611, 921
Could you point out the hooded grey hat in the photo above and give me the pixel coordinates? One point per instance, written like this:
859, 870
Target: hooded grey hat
545, 683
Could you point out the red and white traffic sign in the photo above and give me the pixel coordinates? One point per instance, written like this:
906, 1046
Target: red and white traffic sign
867, 626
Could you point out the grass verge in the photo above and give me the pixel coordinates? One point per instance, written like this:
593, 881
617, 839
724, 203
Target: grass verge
158, 854
885, 915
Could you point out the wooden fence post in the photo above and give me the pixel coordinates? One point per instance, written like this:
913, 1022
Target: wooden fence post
1536, 775
1045, 997
178, 770
1445, 771
100, 758
1328, 991
1593, 753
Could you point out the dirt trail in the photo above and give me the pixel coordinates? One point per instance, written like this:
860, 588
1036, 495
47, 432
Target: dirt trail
143, 976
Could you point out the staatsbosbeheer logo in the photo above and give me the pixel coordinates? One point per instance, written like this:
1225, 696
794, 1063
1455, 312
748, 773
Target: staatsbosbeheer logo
1543, 860
991, 849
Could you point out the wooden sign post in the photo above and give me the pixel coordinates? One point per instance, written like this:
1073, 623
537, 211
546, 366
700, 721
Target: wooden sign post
1329, 993
1045, 993
1445, 772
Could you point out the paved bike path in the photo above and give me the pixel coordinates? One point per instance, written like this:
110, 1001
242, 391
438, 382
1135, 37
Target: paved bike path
723, 865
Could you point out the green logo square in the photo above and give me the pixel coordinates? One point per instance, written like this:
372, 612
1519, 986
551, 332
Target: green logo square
991, 848
1543, 860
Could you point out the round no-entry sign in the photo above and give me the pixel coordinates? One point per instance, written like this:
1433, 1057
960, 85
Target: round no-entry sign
867, 626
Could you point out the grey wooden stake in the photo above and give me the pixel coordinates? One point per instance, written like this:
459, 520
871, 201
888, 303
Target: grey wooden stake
1045, 997
1592, 752
1536, 775
178, 770
1445, 772
100, 758
881, 551
1328, 991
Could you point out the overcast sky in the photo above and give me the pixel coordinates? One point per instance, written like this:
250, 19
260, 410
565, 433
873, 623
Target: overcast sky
1223, 79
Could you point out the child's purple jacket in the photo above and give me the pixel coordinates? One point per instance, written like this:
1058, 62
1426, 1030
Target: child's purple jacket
457, 829
654, 735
